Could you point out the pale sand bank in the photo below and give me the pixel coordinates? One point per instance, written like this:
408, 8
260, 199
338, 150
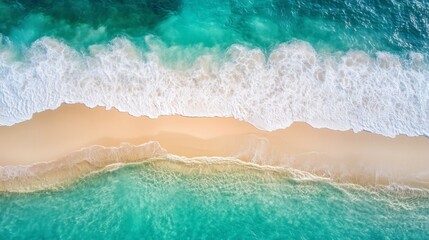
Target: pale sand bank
363, 158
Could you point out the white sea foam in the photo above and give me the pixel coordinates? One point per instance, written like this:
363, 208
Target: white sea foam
384, 94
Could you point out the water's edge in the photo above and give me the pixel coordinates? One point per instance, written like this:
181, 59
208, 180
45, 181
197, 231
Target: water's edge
97, 159
383, 94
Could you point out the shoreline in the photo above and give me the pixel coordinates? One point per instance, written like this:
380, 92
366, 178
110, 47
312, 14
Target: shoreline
364, 158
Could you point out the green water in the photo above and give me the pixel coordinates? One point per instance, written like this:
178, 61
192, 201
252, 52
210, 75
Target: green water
175, 201
332, 25
167, 200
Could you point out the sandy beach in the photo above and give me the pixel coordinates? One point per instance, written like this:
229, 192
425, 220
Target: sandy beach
64, 135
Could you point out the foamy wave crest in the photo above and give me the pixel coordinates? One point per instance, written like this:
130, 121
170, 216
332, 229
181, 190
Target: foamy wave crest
384, 94
97, 159
73, 166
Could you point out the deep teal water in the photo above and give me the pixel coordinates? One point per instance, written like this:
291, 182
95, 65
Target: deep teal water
167, 200
332, 25
158, 201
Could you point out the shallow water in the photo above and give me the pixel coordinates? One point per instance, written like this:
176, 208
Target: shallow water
351, 64
196, 200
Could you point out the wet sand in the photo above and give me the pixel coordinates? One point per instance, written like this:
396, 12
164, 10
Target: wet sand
364, 158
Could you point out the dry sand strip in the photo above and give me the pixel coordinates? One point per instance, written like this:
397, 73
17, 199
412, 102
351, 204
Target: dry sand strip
363, 157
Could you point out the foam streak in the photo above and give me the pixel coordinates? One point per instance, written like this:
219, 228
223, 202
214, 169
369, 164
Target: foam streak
384, 94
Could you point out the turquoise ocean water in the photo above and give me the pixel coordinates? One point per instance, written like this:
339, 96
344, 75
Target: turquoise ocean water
342, 64
173, 200
380, 25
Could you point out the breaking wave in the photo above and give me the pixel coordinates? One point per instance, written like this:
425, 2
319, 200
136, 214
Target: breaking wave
384, 93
